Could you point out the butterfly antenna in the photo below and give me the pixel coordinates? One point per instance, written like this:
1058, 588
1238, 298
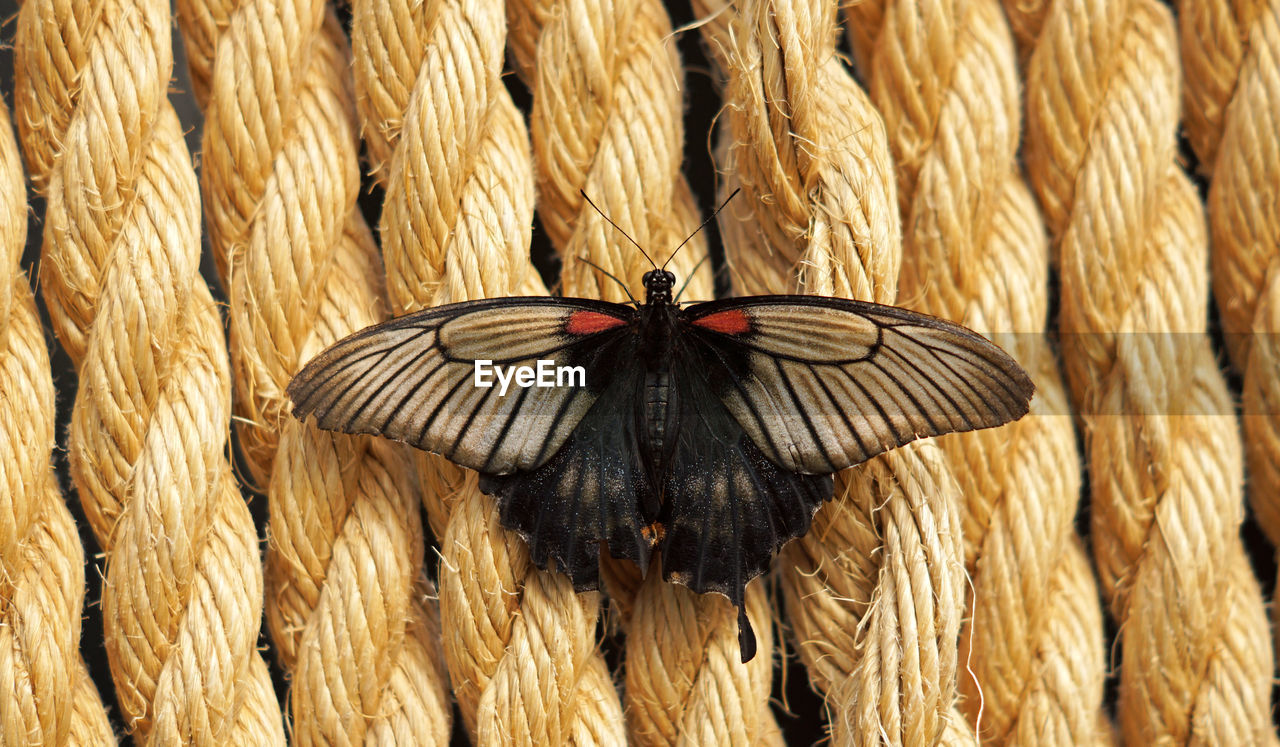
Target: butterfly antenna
692, 272
583, 192
701, 225
611, 277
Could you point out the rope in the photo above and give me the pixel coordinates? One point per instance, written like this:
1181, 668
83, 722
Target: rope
974, 252
607, 119
183, 594
1231, 59
41, 560
449, 144
873, 591
1102, 103
350, 611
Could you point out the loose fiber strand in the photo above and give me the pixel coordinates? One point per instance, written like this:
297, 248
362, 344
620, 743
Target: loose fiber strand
148, 440
974, 252
41, 560
1231, 60
350, 608
1164, 454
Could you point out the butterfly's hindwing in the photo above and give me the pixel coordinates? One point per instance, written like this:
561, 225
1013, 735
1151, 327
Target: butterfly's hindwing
593, 489
727, 508
821, 384
413, 379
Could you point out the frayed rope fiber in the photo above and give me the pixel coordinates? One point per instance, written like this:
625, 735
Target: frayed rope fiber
46, 695
1231, 114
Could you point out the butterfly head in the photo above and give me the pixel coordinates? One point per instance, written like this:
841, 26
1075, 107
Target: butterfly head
657, 286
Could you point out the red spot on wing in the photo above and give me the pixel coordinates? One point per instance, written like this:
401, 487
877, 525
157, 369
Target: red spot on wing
590, 322
731, 322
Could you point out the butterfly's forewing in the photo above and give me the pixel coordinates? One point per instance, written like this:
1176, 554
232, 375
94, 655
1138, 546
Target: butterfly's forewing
413, 378
821, 384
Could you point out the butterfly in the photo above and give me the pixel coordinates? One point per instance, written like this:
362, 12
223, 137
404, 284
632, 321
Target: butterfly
706, 433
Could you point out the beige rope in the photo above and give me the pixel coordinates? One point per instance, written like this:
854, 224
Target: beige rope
452, 150
1102, 103
874, 590
350, 613
1231, 59
945, 77
41, 560
607, 119
183, 594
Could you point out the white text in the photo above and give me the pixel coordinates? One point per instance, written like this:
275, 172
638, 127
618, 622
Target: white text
545, 374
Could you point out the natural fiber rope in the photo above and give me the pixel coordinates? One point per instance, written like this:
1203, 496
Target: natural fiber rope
607, 119
451, 148
41, 560
1164, 458
874, 591
944, 75
350, 610
183, 593
1231, 60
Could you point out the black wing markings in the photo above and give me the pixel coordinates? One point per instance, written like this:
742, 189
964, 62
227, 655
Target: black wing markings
593, 484
826, 390
800, 408
747, 400
332, 368
413, 392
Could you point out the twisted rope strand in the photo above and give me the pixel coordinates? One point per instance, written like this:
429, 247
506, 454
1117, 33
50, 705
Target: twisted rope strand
452, 149
873, 591
41, 560
350, 614
1102, 103
1231, 58
183, 594
944, 76
607, 120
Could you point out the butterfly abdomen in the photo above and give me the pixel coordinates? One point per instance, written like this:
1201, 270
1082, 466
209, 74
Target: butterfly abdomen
657, 390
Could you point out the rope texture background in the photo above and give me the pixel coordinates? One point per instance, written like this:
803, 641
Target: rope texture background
182, 600
452, 149
974, 251
874, 591
1102, 110
41, 560
348, 605
1231, 110
942, 597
